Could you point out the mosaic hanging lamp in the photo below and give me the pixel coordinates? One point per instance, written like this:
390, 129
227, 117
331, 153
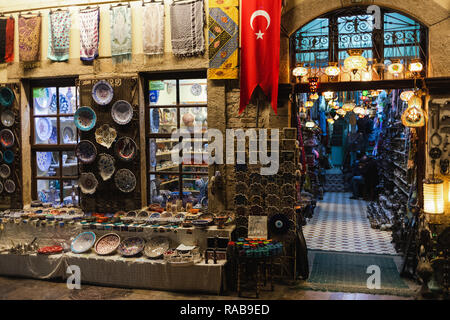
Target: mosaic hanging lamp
313, 84
328, 95
433, 196
413, 117
415, 66
314, 96
415, 101
358, 110
332, 71
341, 112
309, 104
355, 61
396, 67
406, 95
348, 107
299, 70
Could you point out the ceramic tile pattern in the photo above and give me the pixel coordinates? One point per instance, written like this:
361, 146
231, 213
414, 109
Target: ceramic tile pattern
341, 224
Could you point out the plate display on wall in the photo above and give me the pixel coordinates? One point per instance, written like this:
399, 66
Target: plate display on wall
7, 118
196, 89
44, 128
106, 166
105, 136
86, 151
125, 180
85, 118
107, 244
155, 120
8, 156
154, 96
5, 171
53, 137
122, 112
102, 92
88, 183
83, 242
44, 160
131, 246
1, 187
64, 103
126, 149
7, 138
6, 96
68, 134
10, 186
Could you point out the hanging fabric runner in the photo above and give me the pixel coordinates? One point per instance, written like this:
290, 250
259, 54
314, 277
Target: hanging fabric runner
9, 48
260, 49
153, 28
2, 40
29, 38
187, 21
223, 29
120, 19
89, 29
59, 35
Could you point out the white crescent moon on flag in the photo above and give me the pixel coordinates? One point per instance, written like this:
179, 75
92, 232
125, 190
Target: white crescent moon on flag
260, 13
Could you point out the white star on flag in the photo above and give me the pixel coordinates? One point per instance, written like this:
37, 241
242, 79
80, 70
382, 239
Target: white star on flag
259, 35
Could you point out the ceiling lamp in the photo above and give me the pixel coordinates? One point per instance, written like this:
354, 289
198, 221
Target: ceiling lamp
349, 106
313, 84
358, 110
406, 95
336, 118
328, 95
413, 117
355, 61
433, 196
299, 70
415, 101
415, 66
314, 96
310, 124
309, 104
332, 70
395, 67
330, 120
341, 112
334, 105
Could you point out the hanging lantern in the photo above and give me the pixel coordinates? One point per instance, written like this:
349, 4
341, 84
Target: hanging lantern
415, 66
374, 93
406, 95
361, 116
299, 71
332, 70
433, 196
309, 104
313, 84
395, 67
341, 112
330, 120
328, 95
334, 105
349, 106
415, 101
358, 110
314, 96
355, 61
310, 124
413, 117
336, 118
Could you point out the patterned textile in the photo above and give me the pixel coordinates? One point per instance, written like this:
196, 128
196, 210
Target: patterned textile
153, 29
187, 21
89, 29
223, 33
341, 224
9, 49
2, 40
120, 30
59, 35
29, 38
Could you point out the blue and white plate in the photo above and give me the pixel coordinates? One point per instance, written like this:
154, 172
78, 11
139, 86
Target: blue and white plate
154, 96
53, 137
154, 115
44, 160
64, 104
85, 118
83, 242
8, 156
44, 128
102, 92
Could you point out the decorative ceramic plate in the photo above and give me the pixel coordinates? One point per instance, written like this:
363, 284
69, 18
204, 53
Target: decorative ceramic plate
106, 166
155, 120
10, 186
68, 134
126, 149
279, 224
125, 180
44, 160
83, 242
86, 151
88, 183
196, 89
201, 223
122, 112
154, 96
156, 247
85, 118
5, 171
102, 92
50, 250
6, 96
105, 136
43, 128
131, 246
7, 118
8, 156
53, 137
107, 244
64, 105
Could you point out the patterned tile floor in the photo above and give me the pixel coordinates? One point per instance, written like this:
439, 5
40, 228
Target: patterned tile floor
341, 224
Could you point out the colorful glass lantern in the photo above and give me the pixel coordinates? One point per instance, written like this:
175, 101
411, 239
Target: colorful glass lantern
358, 110
395, 67
341, 112
406, 95
314, 96
415, 101
330, 120
336, 117
328, 95
415, 66
310, 124
299, 71
309, 104
355, 61
313, 84
433, 196
413, 117
349, 106
332, 70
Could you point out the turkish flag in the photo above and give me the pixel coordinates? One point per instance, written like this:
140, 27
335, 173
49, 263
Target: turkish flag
260, 49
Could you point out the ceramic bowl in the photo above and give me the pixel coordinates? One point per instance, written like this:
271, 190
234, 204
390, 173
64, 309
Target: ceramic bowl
5, 171
107, 244
6, 138
201, 223
156, 247
122, 112
125, 180
9, 186
83, 242
105, 136
126, 149
88, 183
102, 92
85, 118
85, 151
6, 96
106, 166
131, 246
8, 156
7, 118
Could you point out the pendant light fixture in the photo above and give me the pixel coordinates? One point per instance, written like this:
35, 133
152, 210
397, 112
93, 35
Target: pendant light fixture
348, 107
433, 196
396, 67
406, 95
355, 61
309, 104
299, 70
328, 95
415, 66
313, 84
332, 71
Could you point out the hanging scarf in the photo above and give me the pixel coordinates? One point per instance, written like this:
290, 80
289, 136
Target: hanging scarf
2, 40
9, 48
153, 29
59, 37
89, 29
187, 21
120, 31
29, 38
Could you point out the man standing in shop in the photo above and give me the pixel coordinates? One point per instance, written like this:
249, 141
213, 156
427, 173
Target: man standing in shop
358, 181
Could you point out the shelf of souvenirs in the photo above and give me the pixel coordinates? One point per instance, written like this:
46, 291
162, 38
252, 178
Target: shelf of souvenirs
403, 153
396, 183
396, 164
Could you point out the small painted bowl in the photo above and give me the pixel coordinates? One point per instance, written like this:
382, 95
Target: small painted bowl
7, 138
107, 244
83, 242
85, 118
102, 92
131, 246
8, 156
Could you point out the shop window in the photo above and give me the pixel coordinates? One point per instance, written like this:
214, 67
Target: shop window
53, 140
177, 102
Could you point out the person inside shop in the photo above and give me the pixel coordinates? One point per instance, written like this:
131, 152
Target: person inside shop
365, 177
